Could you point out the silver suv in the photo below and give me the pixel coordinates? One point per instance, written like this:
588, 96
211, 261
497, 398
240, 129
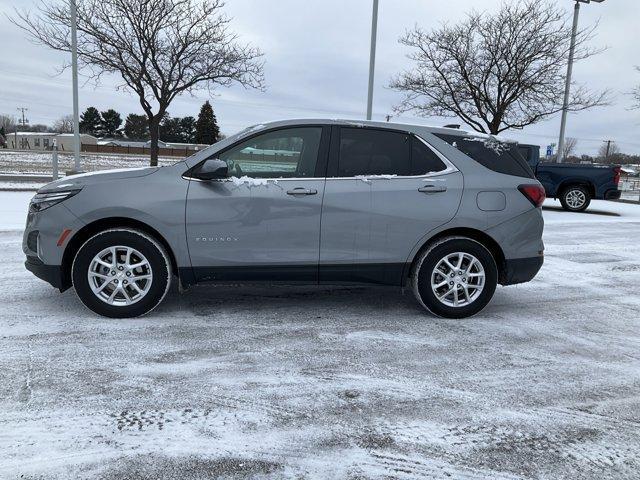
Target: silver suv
448, 213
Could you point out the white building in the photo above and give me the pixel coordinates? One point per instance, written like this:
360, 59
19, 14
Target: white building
41, 141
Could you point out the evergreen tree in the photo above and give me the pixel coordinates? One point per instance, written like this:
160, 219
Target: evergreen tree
110, 124
90, 121
170, 129
188, 129
207, 130
178, 130
2, 132
136, 127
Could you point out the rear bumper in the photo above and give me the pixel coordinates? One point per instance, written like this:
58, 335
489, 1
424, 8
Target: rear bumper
51, 274
612, 194
520, 270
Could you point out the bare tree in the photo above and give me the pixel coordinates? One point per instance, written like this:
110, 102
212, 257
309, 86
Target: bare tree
496, 71
608, 151
8, 123
569, 147
160, 48
63, 125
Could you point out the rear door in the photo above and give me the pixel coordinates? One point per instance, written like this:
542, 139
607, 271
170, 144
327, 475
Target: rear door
385, 191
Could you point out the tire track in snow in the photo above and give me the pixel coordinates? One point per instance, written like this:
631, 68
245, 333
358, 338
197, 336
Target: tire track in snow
411, 467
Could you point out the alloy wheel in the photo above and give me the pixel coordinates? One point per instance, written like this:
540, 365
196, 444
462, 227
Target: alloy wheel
120, 275
458, 279
575, 199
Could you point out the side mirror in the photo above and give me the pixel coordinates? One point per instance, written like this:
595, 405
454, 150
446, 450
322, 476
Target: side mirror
213, 169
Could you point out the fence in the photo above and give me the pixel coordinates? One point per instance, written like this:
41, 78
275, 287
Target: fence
630, 188
121, 149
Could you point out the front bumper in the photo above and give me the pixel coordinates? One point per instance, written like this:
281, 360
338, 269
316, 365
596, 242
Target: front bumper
51, 274
612, 194
520, 270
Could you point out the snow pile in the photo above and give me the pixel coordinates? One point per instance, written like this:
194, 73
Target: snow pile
492, 143
250, 181
368, 178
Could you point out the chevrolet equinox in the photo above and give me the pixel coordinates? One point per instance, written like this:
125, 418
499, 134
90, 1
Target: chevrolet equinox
448, 213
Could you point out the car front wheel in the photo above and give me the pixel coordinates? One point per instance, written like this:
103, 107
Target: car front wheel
121, 273
455, 277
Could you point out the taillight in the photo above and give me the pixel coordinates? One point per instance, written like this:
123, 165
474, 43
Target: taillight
534, 193
616, 175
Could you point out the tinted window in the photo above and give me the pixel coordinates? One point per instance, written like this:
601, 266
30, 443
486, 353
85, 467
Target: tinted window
498, 156
423, 159
365, 151
291, 152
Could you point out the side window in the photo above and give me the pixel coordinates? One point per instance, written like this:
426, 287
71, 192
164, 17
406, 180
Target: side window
365, 151
423, 159
291, 152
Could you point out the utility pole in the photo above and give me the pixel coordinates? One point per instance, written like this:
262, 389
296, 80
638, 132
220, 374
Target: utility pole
372, 57
74, 75
606, 155
23, 122
567, 85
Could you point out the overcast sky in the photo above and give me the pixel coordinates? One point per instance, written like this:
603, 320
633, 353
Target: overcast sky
317, 54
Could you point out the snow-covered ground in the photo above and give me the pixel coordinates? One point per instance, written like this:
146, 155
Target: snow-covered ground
12, 161
343, 383
13, 210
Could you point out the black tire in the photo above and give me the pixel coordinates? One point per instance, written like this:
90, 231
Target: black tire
426, 263
577, 192
158, 261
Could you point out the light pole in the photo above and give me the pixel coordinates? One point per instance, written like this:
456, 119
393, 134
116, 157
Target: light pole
372, 56
567, 86
74, 75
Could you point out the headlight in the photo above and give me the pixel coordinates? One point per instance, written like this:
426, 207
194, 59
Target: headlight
43, 201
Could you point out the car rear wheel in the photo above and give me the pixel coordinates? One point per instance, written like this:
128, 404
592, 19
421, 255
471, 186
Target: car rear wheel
575, 198
455, 277
121, 273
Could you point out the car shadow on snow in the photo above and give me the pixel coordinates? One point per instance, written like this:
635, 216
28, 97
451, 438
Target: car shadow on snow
254, 301
588, 211
207, 299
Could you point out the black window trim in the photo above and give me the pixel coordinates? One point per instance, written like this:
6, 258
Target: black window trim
332, 166
321, 163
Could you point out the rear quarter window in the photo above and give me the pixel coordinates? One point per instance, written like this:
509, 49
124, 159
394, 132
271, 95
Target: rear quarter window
423, 159
501, 157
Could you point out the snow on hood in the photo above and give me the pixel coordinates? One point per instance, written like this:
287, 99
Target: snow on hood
80, 180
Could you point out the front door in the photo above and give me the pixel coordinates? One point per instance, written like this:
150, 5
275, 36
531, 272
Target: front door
385, 191
262, 223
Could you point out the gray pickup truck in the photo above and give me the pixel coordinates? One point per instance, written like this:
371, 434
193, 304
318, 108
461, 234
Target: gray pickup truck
574, 184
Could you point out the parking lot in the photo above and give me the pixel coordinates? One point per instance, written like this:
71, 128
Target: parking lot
333, 383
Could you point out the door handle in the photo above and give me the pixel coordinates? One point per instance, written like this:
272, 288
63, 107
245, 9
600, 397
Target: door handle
302, 191
432, 189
